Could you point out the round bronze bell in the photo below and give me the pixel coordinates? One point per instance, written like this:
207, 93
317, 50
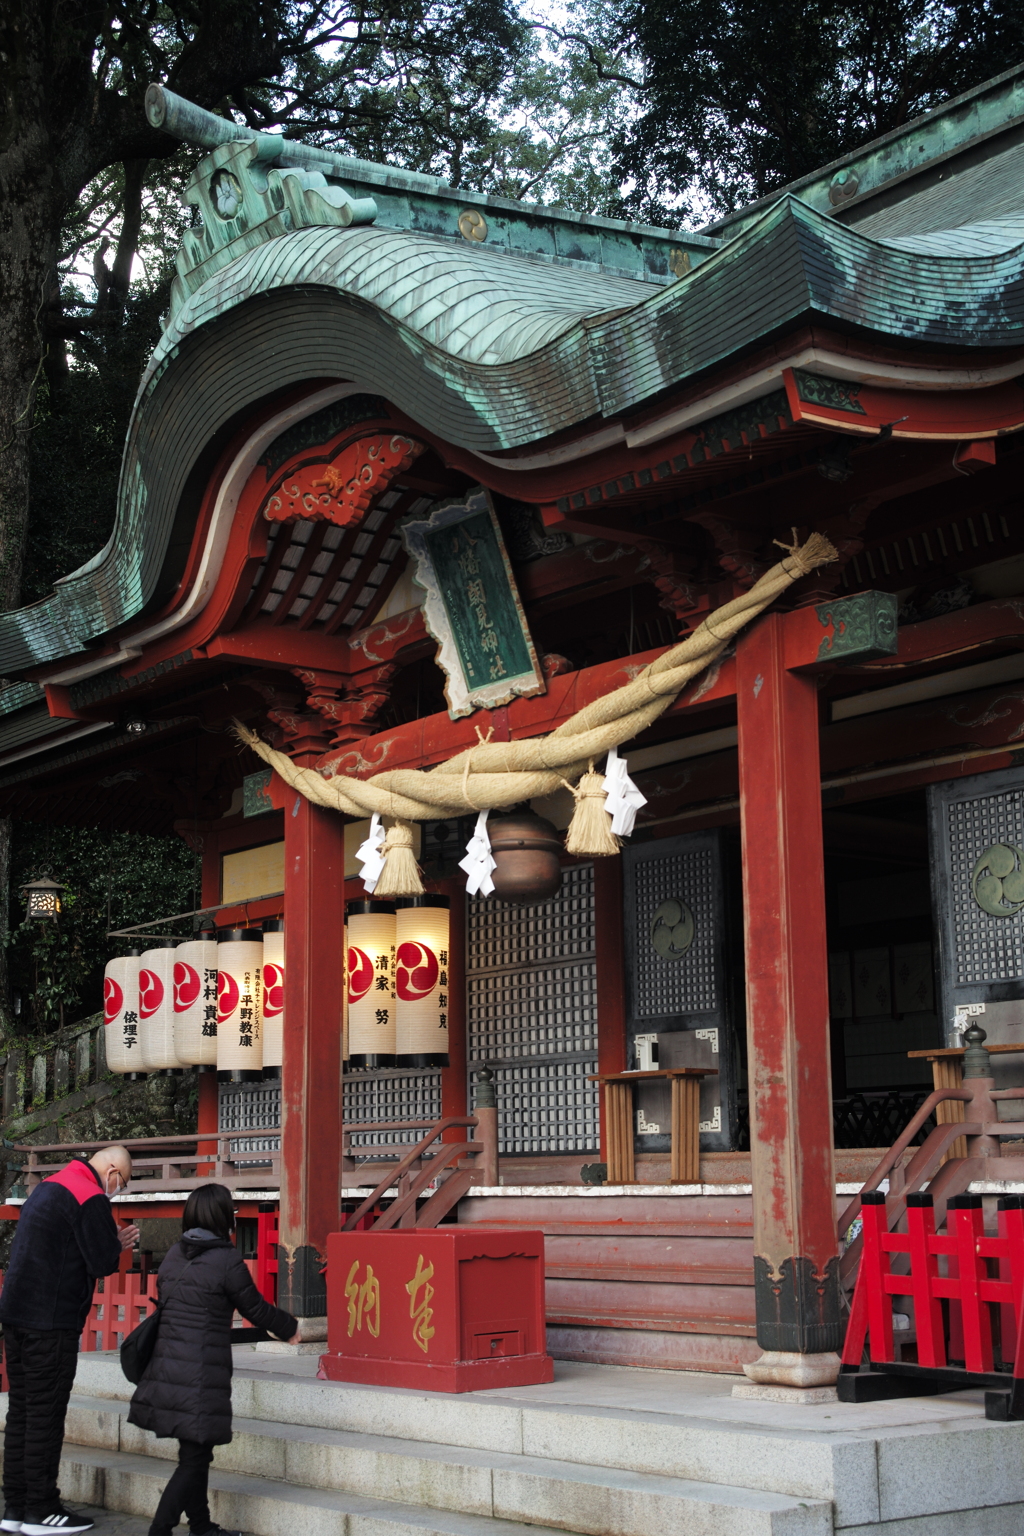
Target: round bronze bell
527, 855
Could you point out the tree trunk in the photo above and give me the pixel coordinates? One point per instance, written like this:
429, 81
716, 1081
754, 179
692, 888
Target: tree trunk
31, 208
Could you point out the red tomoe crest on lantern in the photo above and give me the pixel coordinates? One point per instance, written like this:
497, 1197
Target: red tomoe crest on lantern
418, 971
227, 996
360, 974
113, 1000
187, 986
273, 990
151, 993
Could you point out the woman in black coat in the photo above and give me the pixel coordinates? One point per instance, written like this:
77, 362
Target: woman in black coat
185, 1392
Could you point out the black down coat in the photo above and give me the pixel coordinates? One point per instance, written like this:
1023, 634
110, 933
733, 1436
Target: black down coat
185, 1392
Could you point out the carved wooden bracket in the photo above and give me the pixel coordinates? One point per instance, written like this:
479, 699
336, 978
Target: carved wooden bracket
348, 704
302, 736
736, 546
343, 490
672, 577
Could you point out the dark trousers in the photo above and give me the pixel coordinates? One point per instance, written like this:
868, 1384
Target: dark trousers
41, 1365
186, 1491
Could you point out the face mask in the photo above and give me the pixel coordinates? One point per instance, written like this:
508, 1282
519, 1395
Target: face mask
112, 1174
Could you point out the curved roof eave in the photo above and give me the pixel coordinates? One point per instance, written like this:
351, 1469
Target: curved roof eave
339, 304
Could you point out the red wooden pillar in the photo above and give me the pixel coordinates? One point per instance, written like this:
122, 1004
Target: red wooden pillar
314, 849
610, 967
453, 1077
796, 1276
208, 1116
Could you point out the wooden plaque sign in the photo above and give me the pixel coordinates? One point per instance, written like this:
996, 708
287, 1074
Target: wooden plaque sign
472, 607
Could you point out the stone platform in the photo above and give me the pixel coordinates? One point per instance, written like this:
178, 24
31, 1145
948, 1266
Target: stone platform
602, 1451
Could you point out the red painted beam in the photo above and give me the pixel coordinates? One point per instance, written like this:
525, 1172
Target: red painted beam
796, 1274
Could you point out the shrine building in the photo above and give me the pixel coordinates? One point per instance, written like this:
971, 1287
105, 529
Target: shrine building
416, 473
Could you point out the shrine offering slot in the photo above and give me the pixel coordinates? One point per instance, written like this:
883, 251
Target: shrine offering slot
444, 1309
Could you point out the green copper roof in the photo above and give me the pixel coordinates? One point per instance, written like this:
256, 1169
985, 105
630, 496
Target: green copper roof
492, 350
903, 163
474, 304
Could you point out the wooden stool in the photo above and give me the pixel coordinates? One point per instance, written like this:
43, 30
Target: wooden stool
618, 1121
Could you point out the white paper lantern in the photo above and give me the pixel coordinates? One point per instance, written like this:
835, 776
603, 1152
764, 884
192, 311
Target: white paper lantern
195, 1003
273, 997
156, 1008
239, 1005
422, 992
121, 1013
371, 983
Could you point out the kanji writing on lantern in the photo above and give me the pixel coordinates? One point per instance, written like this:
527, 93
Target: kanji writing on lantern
363, 1301
130, 1029
421, 1294
210, 1018
383, 1015
382, 984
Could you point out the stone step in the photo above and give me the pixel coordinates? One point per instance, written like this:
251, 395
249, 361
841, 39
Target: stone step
267, 1506
797, 1463
483, 1484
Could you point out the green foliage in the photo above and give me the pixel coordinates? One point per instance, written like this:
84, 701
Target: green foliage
112, 882
735, 98
81, 420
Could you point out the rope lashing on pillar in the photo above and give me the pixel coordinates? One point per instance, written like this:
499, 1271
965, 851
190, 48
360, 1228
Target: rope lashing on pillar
498, 774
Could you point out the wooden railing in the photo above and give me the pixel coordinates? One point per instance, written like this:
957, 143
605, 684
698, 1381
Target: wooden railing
171, 1162
451, 1166
434, 1171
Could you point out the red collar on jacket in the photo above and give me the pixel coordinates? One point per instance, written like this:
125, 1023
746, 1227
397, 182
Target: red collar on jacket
80, 1179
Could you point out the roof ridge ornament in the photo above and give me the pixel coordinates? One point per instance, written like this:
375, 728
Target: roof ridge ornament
251, 188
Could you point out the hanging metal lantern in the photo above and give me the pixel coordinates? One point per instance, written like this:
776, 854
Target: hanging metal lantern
156, 1008
371, 983
43, 898
273, 997
121, 1013
239, 1005
422, 936
527, 856
195, 1002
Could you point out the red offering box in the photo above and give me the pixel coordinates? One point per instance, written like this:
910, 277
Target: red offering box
449, 1309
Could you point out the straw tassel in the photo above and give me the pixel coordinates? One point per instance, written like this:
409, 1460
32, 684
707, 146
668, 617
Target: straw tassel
590, 831
401, 874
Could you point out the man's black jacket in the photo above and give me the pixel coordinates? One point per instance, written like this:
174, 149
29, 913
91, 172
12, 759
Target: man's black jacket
66, 1237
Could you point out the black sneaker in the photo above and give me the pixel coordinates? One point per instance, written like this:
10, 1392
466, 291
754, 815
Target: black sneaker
214, 1530
12, 1519
60, 1519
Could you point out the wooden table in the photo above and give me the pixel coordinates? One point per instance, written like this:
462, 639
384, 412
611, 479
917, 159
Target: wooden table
947, 1072
618, 1121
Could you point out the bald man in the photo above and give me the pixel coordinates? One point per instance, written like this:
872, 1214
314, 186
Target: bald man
66, 1237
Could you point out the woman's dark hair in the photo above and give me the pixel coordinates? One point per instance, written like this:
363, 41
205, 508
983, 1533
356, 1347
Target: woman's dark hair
211, 1208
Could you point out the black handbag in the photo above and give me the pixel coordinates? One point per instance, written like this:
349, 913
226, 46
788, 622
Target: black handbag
137, 1349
